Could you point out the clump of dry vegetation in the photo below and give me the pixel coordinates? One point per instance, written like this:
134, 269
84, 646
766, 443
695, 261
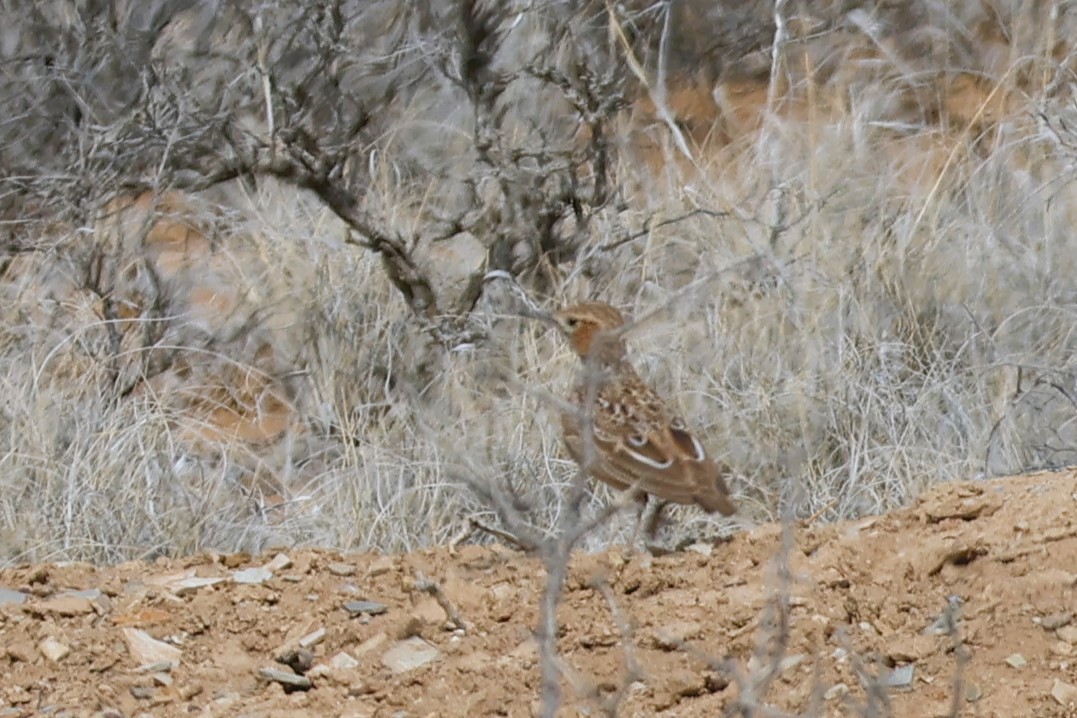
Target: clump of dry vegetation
244, 256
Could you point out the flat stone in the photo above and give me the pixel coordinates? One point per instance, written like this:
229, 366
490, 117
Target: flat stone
144, 648
900, 677
287, 679
90, 594
338, 568
66, 606
252, 576
372, 608
1056, 621
409, 654
11, 597
343, 662
1064, 693
185, 582
1016, 660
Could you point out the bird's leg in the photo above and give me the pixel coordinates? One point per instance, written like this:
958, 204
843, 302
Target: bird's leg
654, 522
640, 497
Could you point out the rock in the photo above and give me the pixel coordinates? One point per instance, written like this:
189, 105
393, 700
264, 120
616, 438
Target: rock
250, 576
900, 677
280, 562
66, 606
90, 594
1064, 693
973, 692
1067, 634
381, 565
144, 648
184, 583
673, 636
23, 651
53, 650
10, 597
343, 662
372, 608
1016, 660
313, 638
299, 660
409, 654
838, 690
158, 667
289, 680
338, 568
1056, 621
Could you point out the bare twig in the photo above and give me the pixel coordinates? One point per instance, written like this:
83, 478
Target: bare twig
425, 585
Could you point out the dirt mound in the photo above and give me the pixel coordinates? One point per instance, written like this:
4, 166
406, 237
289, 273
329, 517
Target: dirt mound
449, 632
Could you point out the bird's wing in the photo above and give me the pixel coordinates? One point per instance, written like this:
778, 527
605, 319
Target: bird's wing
638, 444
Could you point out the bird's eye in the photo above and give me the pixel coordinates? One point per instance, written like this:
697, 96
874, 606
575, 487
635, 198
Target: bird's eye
572, 322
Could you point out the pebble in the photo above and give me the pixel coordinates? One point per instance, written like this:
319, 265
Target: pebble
53, 650
286, 678
1016, 660
343, 662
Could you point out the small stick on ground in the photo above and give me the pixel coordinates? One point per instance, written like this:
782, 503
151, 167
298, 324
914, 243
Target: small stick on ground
422, 583
503, 535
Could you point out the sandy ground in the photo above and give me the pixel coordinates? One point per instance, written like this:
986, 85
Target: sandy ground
193, 636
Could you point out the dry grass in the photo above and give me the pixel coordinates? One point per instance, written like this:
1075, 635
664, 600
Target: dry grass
875, 309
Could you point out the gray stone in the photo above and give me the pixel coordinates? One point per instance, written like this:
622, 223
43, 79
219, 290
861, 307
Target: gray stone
372, 608
409, 654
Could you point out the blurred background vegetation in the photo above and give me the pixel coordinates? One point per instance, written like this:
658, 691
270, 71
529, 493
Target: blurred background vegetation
242, 248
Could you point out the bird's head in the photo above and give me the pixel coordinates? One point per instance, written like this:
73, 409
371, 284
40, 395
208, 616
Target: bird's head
592, 330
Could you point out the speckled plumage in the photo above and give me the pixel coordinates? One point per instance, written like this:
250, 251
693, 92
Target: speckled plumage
638, 443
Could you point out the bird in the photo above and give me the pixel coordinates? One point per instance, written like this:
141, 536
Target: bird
621, 431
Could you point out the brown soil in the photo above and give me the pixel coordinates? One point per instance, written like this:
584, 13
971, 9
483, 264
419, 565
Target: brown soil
861, 595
